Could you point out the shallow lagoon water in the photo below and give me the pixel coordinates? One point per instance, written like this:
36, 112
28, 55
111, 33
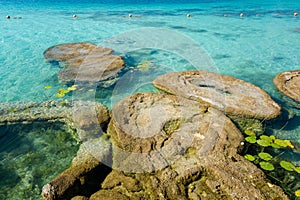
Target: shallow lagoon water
254, 48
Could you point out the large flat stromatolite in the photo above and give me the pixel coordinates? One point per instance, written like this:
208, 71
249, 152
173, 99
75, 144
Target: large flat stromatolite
234, 96
169, 147
289, 84
85, 62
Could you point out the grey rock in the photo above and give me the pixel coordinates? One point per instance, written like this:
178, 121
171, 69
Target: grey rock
289, 84
85, 62
169, 147
228, 94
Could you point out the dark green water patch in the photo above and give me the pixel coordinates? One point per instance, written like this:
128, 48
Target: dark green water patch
31, 155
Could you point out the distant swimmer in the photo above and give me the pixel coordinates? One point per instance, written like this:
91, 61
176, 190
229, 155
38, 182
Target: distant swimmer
295, 14
188, 15
7, 17
242, 15
75, 16
130, 15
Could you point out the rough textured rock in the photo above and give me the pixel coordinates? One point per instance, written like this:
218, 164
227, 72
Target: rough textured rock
78, 114
89, 119
83, 178
228, 94
184, 149
85, 62
289, 84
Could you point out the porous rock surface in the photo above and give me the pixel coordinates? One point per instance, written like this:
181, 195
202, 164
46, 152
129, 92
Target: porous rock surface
85, 175
85, 62
168, 147
228, 94
289, 84
83, 115
88, 119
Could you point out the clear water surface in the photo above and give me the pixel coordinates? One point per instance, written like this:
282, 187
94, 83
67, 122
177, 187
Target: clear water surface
254, 48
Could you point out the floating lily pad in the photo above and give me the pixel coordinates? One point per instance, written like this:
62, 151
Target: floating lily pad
48, 87
266, 166
276, 146
297, 193
297, 169
60, 95
284, 143
272, 137
249, 157
266, 138
72, 88
251, 139
265, 156
287, 165
249, 132
263, 143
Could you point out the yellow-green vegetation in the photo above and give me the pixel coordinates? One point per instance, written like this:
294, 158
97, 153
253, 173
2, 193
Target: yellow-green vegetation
61, 92
171, 126
297, 193
263, 153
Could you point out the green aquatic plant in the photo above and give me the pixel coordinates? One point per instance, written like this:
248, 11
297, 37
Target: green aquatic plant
145, 65
297, 193
266, 166
249, 157
48, 87
250, 132
265, 156
251, 139
263, 143
61, 92
287, 165
257, 150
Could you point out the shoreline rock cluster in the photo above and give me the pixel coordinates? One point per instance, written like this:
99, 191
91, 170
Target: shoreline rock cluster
180, 145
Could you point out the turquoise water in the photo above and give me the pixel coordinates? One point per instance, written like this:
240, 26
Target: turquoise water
254, 48
32, 155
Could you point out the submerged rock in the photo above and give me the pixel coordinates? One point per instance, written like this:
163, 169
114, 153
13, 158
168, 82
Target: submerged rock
85, 62
78, 114
228, 94
289, 84
169, 147
83, 178
89, 119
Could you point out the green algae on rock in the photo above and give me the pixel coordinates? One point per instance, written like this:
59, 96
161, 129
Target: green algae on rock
208, 165
228, 94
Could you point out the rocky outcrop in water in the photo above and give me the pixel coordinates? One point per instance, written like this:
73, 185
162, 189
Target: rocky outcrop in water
81, 115
185, 150
85, 175
84, 62
163, 147
89, 119
228, 94
289, 84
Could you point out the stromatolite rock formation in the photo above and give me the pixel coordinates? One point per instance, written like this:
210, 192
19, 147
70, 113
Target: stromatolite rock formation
85, 62
228, 94
84, 176
80, 115
289, 84
185, 150
89, 119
